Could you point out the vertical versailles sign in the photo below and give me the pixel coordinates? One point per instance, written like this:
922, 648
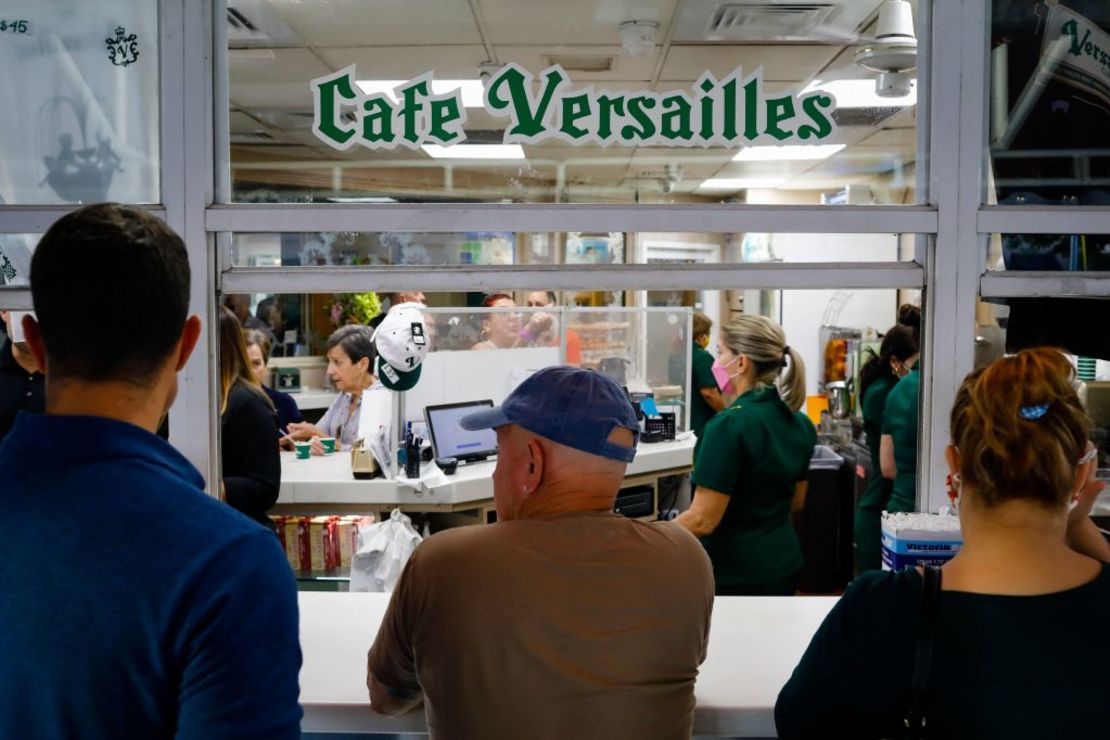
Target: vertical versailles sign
730, 112
1077, 51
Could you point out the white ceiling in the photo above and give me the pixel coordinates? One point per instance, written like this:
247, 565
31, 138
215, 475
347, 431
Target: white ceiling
399, 39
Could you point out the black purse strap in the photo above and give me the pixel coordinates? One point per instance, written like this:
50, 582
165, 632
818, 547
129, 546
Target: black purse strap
923, 653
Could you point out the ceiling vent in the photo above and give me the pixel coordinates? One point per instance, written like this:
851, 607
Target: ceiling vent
832, 21
253, 23
741, 21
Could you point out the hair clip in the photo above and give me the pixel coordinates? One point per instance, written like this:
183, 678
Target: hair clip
1032, 413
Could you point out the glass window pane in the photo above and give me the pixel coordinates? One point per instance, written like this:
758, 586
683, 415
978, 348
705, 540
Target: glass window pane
642, 109
1052, 252
1050, 103
829, 328
15, 258
483, 352
80, 85
558, 248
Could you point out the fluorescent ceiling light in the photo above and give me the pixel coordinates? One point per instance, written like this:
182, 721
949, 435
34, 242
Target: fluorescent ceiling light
471, 89
786, 153
475, 151
740, 183
861, 94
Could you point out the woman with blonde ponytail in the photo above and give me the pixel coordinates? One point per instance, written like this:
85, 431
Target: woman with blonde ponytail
751, 462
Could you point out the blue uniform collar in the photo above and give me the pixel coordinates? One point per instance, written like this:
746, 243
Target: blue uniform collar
94, 438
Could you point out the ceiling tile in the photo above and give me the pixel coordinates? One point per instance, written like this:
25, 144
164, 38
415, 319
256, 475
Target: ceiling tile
272, 96
273, 65
406, 62
890, 137
569, 21
240, 123
241, 153
379, 22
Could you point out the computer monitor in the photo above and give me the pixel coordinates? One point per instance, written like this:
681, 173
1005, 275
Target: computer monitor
449, 439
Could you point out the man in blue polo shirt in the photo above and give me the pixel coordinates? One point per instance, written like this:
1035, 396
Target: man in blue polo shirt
133, 605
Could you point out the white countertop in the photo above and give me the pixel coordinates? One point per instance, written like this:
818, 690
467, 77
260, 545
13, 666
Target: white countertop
328, 479
754, 644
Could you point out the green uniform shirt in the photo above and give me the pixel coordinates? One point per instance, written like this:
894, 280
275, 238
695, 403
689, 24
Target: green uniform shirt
900, 422
1003, 667
874, 404
755, 451
701, 377
867, 525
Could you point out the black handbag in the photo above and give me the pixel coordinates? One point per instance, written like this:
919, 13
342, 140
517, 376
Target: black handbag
915, 720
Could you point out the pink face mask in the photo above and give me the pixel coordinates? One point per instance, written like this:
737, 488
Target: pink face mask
722, 376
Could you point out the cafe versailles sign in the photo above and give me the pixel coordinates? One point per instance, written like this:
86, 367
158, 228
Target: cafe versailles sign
729, 112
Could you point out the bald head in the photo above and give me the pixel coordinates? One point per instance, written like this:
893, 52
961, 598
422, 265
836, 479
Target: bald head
536, 476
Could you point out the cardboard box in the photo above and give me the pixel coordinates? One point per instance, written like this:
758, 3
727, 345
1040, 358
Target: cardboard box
909, 540
318, 543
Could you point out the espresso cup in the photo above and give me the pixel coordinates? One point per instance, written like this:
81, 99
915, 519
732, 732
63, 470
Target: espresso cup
329, 444
304, 449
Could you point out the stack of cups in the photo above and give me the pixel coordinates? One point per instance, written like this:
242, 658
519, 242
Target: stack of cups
1085, 368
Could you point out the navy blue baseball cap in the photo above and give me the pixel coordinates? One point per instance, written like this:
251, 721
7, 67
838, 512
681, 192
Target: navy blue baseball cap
574, 407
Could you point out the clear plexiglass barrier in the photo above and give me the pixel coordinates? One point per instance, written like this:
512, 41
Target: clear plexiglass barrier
483, 353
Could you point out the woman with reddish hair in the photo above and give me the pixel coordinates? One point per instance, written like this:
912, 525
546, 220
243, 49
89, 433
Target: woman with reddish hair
1011, 652
504, 329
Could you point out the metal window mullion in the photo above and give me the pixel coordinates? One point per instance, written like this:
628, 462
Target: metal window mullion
531, 217
185, 83
1044, 220
924, 163
958, 143
37, 219
767, 276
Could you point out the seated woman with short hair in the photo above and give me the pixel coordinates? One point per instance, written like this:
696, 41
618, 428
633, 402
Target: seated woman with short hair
1013, 655
351, 355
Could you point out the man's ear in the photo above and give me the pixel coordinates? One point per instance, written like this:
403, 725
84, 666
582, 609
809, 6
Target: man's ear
32, 334
190, 333
533, 473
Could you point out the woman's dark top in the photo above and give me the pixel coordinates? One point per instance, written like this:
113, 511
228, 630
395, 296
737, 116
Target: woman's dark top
1003, 666
251, 466
287, 409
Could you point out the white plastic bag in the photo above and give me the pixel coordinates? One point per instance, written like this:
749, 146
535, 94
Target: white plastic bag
383, 550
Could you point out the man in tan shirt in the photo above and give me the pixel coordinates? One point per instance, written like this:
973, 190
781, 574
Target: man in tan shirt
563, 620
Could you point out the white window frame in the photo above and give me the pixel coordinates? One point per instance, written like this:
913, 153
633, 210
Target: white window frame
951, 228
